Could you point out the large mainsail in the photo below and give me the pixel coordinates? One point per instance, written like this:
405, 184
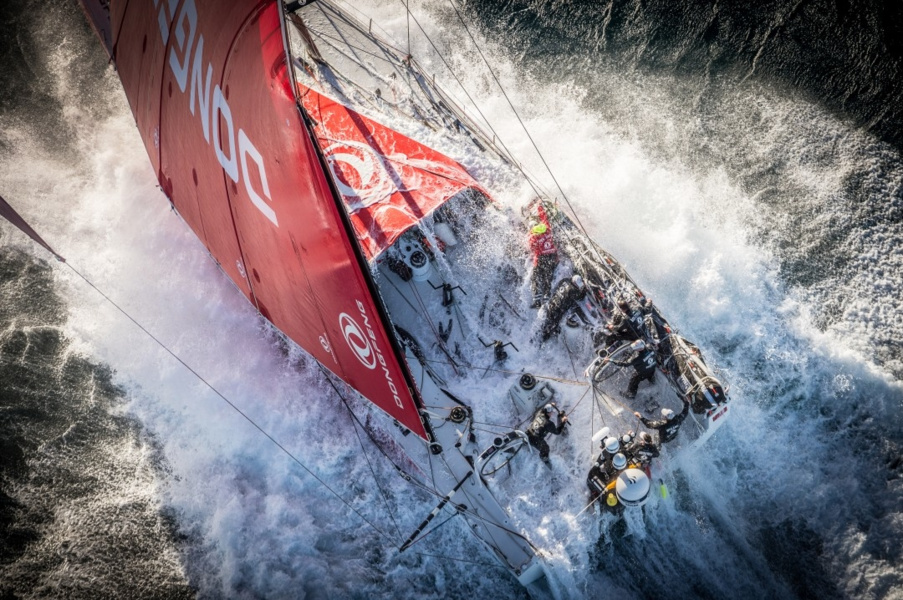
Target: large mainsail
212, 98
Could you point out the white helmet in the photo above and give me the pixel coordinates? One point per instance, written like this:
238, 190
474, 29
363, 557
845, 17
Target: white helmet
638, 346
612, 445
668, 414
619, 461
547, 408
578, 281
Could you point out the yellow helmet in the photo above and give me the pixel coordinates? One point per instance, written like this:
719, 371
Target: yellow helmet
611, 499
539, 229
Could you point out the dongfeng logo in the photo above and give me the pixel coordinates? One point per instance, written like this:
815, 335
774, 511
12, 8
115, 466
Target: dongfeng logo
360, 173
357, 340
362, 341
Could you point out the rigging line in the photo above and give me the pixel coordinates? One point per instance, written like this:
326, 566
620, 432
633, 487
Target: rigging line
386, 42
491, 425
473, 102
402, 473
364, 451
229, 402
387, 39
406, 477
511, 104
568, 413
616, 401
570, 355
598, 404
409, 478
487, 522
585, 508
510, 372
368, 94
592, 425
397, 104
326, 36
407, 10
455, 514
532, 180
496, 433
473, 562
514, 110
508, 304
428, 319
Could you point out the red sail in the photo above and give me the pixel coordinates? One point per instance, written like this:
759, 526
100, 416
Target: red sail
388, 181
208, 86
10, 214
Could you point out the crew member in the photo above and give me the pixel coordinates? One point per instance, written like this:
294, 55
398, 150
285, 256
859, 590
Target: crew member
542, 426
545, 257
633, 321
602, 468
603, 473
643, 449
649, 328
644, 363
568, 293
669, 424
622, 325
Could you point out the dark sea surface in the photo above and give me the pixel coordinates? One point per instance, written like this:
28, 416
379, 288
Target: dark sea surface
742, 159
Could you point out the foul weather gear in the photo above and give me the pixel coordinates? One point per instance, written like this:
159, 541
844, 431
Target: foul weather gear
644, 363
667, 428
545, 257
542, 426
567, 295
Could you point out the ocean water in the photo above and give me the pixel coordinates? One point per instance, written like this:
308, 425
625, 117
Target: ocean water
743, 168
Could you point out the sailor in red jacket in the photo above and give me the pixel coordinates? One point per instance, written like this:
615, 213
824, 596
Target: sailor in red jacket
545, 256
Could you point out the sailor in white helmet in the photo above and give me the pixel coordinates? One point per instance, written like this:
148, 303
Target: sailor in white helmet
669, 424
642, 449
606, 467
603, 466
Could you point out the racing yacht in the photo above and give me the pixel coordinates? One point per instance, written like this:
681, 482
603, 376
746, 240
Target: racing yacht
364, 213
